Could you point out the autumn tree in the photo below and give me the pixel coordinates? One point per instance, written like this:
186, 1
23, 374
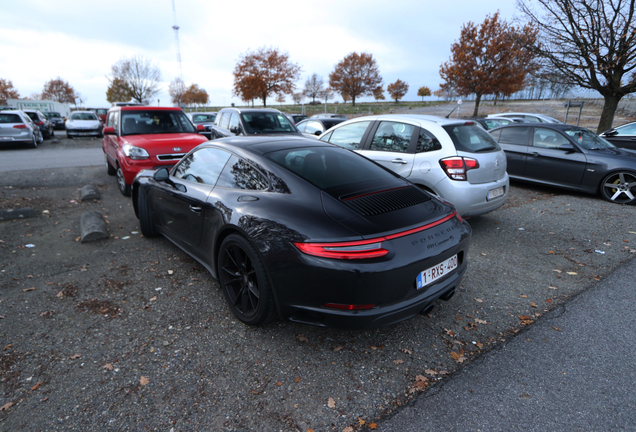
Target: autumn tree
58, 90
177, 90
118, 91
397, 90
356, 75
7, 91
140, 76
489, 59
313, 87
378, 93
263, 73
327, 94
195, 95
590, 43
423, 92
298, 97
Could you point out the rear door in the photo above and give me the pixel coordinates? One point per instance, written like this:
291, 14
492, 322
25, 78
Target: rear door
549, 163
514, 142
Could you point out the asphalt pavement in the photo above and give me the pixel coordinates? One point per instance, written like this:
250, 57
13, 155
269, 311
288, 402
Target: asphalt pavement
572, 370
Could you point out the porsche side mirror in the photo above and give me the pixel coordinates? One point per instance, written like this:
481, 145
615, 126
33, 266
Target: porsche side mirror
161, 175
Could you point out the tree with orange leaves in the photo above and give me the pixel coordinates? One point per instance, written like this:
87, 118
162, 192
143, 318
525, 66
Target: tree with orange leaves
489, 59
356, 75
7, 91
397, 90
195, 95
263, 73
59, 91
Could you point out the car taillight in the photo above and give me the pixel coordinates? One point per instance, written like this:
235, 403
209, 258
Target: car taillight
362, 249
349, 306
346, 250
40, 123
456, 167
20, 126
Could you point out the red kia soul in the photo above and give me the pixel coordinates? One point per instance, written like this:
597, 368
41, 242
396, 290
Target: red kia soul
144, 137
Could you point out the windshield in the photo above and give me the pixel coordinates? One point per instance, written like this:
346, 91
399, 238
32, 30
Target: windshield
471, 138
83, 116
267, 122
144, 122
52, 114
588, 140
200, 118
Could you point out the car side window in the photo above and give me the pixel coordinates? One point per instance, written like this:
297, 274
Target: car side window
240, 174
548, 138
393, 137
313, 126
234, 122
225, 119
626, 130
113, 120
348, 136
427, 142
514, 135
301, 126
202, 166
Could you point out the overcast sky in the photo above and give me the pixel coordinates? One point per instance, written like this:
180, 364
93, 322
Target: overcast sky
79, 41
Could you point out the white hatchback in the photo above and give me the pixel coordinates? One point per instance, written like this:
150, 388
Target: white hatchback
454, 159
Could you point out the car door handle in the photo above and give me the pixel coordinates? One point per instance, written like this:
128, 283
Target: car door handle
535, 154
195, 209
399, 161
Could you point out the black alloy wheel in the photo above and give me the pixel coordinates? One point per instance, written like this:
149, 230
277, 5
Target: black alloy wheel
619, 187
124, 188
146, 224
244, 281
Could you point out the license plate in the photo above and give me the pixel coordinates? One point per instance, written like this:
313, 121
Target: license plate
494, 193
430, 275
83, 134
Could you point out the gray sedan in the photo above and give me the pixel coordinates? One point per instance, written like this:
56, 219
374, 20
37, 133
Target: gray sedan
569, 157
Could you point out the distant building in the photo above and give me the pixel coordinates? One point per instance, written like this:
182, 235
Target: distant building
41, 105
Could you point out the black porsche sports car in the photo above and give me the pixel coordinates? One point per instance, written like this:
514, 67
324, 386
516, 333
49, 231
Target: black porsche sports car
305, 230
570, 157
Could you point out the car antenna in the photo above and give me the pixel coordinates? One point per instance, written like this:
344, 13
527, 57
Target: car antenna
448, 115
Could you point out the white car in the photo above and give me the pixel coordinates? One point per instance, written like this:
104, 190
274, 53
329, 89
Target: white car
83, 124
452, 158
527, 117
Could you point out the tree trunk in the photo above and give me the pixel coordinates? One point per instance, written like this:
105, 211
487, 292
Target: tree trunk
353, 101
607, 115
477, 100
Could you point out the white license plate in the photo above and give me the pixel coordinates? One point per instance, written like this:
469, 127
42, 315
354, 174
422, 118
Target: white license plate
430, 275
494, 193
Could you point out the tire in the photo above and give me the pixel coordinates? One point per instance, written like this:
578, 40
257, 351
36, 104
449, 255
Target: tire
68, 136
34, 142
121, 183
109, 168
244, 281
619, 187
146, 224
52, 133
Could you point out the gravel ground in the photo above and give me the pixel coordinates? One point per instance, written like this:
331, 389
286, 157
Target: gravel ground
130, 333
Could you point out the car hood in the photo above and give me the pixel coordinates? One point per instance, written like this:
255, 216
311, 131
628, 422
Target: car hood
618, 153
165, 143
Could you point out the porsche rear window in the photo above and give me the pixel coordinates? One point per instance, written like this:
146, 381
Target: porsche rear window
331, 168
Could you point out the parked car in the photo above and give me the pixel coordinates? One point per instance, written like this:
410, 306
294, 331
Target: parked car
100, 112
296, 118
329, 115
623, 136
252, 121
527, 117
55, 118
40, 120
143, 137
17, 127
307, 231
84, 124
315, 127
452, 158
488, 123
206, 119
570, 157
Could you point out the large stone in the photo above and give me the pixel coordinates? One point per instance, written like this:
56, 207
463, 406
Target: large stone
89, 192
93, 226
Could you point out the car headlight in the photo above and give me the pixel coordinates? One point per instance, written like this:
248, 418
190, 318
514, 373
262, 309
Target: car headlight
136, 153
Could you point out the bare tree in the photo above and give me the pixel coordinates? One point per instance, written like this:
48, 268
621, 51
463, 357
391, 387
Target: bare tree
590, 43
177, 90
139, 74
313, 87
327, 94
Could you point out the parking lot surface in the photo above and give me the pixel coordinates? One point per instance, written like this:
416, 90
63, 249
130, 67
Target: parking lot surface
131, 333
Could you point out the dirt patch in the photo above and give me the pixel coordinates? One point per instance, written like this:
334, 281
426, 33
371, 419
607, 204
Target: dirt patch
101, 307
